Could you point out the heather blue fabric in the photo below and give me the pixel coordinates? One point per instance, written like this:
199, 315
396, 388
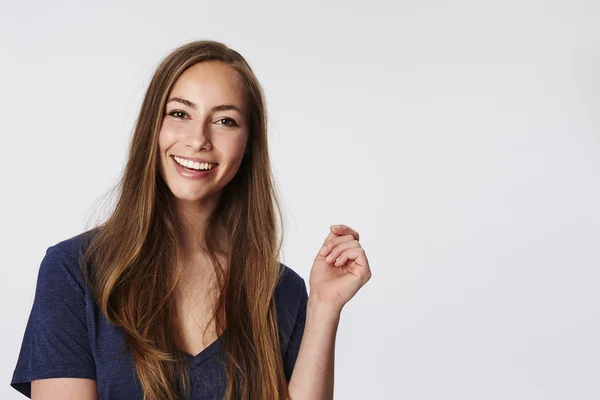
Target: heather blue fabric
68, 336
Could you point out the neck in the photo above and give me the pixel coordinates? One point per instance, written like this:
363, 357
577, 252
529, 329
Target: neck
192, 218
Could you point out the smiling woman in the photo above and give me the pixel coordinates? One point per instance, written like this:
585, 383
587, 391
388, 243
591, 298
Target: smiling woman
180, 292
206, 316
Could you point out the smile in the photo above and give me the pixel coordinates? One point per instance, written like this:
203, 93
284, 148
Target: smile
193, 173
195, 165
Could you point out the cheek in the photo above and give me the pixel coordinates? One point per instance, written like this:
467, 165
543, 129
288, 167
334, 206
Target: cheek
230, 145
235, 149
166, 138
238, 146
166, 135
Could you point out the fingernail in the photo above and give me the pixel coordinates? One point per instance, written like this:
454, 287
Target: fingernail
323, 250
335, 226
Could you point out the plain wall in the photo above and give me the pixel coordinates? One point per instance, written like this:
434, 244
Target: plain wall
460, 139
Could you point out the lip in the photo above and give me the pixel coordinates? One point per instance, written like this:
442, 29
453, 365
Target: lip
192, 175
195, 159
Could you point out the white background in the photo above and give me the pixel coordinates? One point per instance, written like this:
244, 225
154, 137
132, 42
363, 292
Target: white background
461, 141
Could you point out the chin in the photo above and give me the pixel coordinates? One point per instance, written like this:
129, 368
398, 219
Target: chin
191, 198
187, 196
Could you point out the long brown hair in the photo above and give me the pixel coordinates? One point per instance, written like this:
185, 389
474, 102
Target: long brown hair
134, 253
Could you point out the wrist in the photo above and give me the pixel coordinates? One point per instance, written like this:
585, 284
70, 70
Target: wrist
323, 310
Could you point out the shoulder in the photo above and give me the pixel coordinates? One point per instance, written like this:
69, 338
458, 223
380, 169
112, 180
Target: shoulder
290, 282
73, 247
289, 275
61, 263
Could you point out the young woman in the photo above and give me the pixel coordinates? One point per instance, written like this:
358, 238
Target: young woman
180, 294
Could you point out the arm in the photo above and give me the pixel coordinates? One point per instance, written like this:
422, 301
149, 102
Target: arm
313, 373
63, 388
340, 269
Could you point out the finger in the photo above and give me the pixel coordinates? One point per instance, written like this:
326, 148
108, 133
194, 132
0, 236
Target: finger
344, 230
340, 248
328, 239
339, 230
336, 240
358, 256
331, 235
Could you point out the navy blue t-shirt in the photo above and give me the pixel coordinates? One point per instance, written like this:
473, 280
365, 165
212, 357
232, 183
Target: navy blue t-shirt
67, 335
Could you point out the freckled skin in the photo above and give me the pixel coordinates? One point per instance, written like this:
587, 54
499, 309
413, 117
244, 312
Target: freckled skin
203, 133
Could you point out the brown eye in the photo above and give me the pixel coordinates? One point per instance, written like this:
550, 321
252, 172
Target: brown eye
177, 113
228, 122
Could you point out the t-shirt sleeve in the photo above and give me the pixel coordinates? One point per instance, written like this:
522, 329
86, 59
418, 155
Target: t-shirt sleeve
291, 354
56, 342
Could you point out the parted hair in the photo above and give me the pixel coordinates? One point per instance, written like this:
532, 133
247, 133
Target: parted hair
132, 262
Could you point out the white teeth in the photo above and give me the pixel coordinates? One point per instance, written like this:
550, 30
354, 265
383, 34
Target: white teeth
192, 164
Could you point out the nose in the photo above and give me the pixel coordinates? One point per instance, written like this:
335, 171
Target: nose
199, 136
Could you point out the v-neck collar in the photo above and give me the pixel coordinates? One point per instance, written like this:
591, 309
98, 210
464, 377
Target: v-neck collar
208, 352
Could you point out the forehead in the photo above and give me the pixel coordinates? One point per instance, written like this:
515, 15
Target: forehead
210, 82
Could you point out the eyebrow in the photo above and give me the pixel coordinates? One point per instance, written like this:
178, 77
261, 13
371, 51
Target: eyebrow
222, 107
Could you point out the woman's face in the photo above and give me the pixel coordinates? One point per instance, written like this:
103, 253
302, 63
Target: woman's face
205, 120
